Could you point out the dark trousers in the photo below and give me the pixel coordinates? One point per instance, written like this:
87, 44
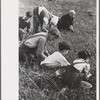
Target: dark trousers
24, 52
21, 34
61, 26
72, 77
36, 21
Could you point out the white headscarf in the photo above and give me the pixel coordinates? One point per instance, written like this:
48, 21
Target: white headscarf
72, 11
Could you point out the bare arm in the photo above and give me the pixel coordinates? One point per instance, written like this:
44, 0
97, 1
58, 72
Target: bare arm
44, 27
45, 22
46, 51
40, 49
86, 71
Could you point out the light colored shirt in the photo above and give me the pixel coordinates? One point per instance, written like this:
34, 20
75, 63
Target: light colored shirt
81, 66
34, 40
47, 14
41, 8
38, 41
56, 58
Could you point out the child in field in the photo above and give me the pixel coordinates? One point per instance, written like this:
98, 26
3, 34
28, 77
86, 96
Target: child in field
57, 59
82, 64
74, 73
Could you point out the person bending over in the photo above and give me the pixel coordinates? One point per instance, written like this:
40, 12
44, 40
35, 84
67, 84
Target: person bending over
36, 45
24, 23
43, 18
57, 59
66, 21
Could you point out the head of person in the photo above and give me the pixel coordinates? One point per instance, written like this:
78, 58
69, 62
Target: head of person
72, 13
29, 14
84, 54
53, 33
64, 47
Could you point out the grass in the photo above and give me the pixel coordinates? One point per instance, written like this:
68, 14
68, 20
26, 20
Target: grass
84, 37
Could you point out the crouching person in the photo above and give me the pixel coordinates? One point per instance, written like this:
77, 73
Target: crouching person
43, 18
74, 73
66, 21
57, 59
36, 45
24, 23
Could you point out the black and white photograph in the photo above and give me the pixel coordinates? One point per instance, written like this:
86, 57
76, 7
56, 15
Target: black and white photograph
55, 56
57, 49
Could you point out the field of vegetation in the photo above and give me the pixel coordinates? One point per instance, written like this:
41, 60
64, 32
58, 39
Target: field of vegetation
84, 37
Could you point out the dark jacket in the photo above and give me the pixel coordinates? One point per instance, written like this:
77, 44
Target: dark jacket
23, 24
65, 22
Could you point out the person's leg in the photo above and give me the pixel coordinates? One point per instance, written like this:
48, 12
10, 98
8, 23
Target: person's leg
70, 78
22, 53
21, 34
35, 20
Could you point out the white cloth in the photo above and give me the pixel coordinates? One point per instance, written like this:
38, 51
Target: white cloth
81, 66
46, 20
56, 58
54, 20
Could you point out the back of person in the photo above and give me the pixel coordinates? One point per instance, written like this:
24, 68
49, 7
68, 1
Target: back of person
74, 72
66, 21
56, 58
32, 41
81, 64
43, 18
43, 12
30, 45
71, 77
36, 44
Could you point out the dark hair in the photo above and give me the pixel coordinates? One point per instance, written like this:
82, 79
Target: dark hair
63, 46
28, 14
84, 54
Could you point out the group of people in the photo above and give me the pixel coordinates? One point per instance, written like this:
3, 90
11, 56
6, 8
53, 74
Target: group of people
47, 27
45, 20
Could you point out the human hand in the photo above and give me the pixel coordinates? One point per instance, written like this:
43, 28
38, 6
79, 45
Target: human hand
71, 28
